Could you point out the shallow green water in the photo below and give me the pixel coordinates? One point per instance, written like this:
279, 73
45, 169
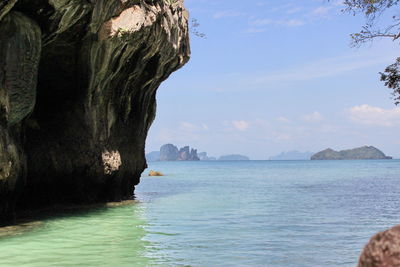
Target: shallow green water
256, 213
104, 237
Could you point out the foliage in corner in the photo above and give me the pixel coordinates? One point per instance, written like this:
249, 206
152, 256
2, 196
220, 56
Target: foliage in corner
372, 10
391, 77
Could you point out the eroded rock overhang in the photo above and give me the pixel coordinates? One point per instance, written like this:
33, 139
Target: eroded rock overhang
78, 81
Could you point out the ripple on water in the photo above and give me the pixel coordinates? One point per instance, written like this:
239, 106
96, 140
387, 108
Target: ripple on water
224, 214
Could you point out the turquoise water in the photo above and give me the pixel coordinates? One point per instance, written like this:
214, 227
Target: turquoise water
256, 213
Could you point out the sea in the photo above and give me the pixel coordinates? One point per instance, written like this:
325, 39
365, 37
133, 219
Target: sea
233, 213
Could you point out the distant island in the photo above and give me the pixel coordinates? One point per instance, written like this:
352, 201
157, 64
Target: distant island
365, 152
234, 157
292, 155
204, 156
153, 156
170, 152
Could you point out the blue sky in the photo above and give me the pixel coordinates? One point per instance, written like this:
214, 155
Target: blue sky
277, 75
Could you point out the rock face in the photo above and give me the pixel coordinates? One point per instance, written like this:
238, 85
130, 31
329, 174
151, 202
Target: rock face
365, 152
78, 81
187, 154
382, 250
169, 152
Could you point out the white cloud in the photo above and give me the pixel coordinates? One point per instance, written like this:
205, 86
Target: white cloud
375, 116
259, 25
227, 14
282, 22
188, 127
282, 8
313, 117
290, 15
262, 4
294, 10
241, 125
293, 22
327, 67
261, 22
283, 119
255, 30
337, 3
322, 10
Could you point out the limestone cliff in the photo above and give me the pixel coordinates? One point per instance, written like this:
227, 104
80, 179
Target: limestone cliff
78, 81
169, 152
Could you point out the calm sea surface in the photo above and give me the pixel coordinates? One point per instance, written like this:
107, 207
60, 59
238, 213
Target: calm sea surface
255, 213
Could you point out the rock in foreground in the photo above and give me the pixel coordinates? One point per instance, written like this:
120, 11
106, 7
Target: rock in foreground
365, 152
382, 250
78, 81
155, 173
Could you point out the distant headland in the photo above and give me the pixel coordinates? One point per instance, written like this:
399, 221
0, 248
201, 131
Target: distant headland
365, 152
